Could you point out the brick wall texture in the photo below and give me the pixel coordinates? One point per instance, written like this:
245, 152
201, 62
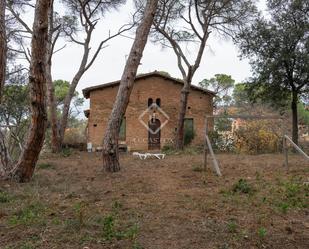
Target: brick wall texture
102, 100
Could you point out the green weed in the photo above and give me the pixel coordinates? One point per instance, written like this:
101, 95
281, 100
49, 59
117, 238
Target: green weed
4, 197
109, 231
29, 215
80, 211
232, 226
66, 152
292, 194
242, 186
116, 206
136, 245
45, 166
197, 168
262, 232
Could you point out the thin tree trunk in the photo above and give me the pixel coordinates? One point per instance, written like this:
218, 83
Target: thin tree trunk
5, 159
182, 114
110, 141
86, 17
68, 98
67, 104
3, 46
294, 117
55, 146
185, 91
25, 166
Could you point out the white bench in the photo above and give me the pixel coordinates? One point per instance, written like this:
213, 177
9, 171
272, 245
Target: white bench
144, 156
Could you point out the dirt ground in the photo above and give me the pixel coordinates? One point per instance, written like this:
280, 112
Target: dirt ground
158, 204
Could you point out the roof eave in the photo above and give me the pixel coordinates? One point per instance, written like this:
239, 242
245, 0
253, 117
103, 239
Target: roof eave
86, 91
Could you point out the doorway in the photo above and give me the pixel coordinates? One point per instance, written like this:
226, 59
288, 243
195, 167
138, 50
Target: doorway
154, 134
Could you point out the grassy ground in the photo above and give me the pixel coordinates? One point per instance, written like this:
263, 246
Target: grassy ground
168, 203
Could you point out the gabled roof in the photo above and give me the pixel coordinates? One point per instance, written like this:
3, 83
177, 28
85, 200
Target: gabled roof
86, 91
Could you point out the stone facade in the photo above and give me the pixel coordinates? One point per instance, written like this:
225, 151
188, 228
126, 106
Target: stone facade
148, 86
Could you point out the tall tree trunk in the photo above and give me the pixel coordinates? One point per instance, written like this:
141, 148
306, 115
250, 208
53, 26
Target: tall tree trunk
294, 117
181, 117
183, 109
55, 146
86, 16
68, 98
2, 46
110, 141
67, 104
55, 143
5, 159
25, 166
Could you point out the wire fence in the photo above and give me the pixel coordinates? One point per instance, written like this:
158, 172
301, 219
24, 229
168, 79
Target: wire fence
251, 135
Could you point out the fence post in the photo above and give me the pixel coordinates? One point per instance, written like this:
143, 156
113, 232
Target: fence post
205, 145
285, 146
285, 151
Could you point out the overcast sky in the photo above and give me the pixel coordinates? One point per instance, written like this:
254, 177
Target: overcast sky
221, 56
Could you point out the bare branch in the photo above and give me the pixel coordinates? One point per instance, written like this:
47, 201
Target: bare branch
17, 16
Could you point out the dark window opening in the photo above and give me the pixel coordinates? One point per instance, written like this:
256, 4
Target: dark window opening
158, 102
150, 101
95, 125
189, 107
188, 130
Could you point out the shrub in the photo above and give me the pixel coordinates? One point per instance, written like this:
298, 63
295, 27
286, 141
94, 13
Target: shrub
188, 136
75, 137
252, 137
256, 137
222, 141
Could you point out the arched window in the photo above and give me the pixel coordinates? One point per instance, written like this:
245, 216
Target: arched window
158, 102
150, 101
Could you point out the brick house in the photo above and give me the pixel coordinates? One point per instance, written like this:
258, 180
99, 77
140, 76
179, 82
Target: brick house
150, 120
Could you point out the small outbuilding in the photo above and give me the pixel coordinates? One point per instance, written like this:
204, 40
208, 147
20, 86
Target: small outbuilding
150, 121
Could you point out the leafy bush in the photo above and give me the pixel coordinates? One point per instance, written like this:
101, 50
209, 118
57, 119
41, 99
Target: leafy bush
252, 137
188, 136
222, 141
257, 137
75, 137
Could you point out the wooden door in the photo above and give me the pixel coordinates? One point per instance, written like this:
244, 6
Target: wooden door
154, 134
